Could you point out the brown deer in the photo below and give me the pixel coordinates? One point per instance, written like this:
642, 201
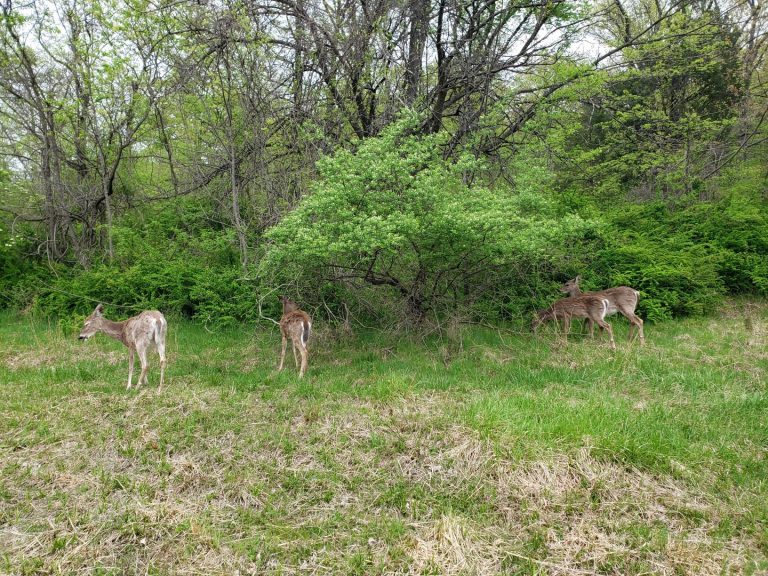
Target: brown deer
621, 299
296, 325
139, 334
593, 308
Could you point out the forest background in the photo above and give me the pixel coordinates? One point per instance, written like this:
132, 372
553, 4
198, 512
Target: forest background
386, 161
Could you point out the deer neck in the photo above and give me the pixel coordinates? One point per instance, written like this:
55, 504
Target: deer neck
113, 329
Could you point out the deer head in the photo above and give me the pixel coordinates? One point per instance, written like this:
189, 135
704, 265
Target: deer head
288, 305
572, 287
93, 323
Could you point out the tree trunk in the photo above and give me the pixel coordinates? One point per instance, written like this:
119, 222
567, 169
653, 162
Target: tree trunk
417, 38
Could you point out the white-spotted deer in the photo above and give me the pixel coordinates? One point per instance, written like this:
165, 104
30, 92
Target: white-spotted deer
593, 308
296, 325
139, 334
622, 299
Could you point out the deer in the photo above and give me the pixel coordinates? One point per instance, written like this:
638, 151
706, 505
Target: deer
296, 325
621, 299
593, 308
138, 333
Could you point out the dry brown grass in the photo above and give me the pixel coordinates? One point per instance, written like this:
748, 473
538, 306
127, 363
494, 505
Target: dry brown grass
114, 510
46, 358
585, 507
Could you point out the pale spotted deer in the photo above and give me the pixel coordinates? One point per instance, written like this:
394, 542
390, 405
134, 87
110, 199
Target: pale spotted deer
139, 334
296, 325
622, 299
591, 307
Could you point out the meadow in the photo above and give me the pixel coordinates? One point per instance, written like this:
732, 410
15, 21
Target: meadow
468, 451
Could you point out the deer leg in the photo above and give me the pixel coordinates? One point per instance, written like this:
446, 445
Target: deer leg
295, 355
591, 324
130, 367
639, 328
566, 327
144, 365
635, 325
304, 359
161, 353
282, 352
607, 327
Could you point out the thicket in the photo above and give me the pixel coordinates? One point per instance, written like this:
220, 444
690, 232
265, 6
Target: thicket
173, 259
392, 232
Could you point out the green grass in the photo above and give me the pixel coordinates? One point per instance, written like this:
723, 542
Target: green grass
484, 452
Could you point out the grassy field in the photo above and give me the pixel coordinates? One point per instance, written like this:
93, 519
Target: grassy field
482, 452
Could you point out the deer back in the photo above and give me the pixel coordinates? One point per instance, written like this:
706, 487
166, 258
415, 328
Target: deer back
619, 298
293, 316
584, 306
143, 328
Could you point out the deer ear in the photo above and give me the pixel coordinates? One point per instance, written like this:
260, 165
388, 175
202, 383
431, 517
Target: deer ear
99, 310
578, 278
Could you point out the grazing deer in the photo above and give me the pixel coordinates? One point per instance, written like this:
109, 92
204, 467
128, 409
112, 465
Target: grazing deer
296, 325
621, 299
593, 308
138, 334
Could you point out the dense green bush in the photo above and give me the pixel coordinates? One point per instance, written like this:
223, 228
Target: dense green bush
21, 277
394, 231
396, 215
684, 259
168, 260
736, 227
674, 279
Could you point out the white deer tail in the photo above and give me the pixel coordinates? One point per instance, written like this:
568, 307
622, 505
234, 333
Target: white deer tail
159, 332
306, 328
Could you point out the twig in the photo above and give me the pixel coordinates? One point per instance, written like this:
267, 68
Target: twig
261, 299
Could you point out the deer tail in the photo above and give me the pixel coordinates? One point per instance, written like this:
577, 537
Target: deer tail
161, 328
306, 329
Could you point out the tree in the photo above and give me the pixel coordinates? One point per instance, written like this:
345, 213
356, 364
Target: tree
395, 215
77, 86
658, 124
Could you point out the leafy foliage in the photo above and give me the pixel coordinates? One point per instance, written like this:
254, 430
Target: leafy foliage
396, 214
155, 170
647, 130
675, 278
172, 261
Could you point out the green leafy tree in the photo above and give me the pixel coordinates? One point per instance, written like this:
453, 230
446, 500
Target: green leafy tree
397, 215
658, 125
